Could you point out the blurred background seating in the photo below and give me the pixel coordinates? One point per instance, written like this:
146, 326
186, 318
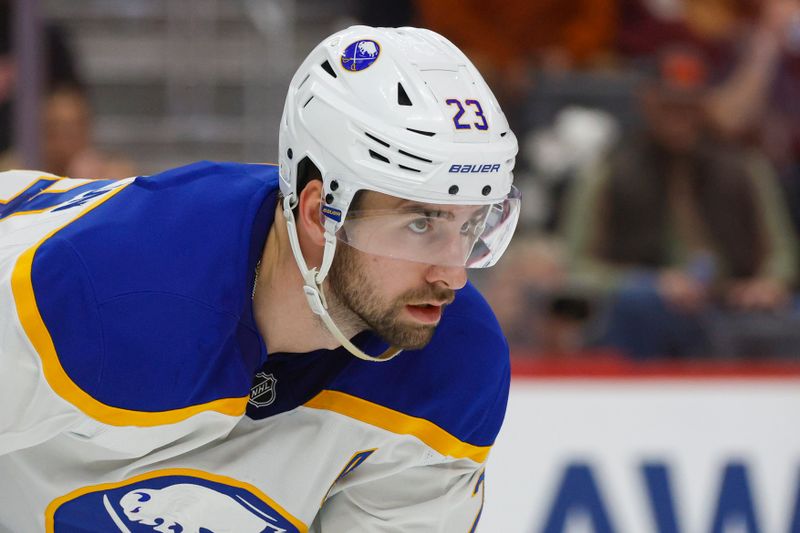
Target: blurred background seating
659, 144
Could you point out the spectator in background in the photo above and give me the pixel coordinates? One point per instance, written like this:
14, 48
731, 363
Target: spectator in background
59, 67
754, 46
579, 32
523, 292
758, 100
647, 26
67, 148
678, 226
506, 40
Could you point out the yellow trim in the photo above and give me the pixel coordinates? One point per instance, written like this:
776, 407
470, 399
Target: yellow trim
52, 189
57, 377
31, 212
397, 422
49, 190
46, 190
28, 186
482, 484
49, 519
339, 475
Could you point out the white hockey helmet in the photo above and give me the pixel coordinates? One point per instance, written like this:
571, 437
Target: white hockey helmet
403, 112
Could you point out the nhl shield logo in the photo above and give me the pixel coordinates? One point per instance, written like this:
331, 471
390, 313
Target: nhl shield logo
263, 392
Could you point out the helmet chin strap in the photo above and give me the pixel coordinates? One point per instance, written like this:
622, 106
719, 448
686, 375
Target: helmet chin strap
313, 278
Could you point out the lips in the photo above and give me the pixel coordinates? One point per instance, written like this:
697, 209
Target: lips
425, 313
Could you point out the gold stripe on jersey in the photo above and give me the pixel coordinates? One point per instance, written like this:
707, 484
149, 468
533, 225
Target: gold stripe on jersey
66, 185
29, 184
187, 472
54, 188
57, 377
397, 422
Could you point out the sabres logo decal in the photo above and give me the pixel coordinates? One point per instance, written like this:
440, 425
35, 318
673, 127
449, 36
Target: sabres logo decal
171, 500
360, 55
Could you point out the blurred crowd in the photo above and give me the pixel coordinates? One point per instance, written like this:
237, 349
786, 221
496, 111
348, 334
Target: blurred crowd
659, 164
67, 146
660, 168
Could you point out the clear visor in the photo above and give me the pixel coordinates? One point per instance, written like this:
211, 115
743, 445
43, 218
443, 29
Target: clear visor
471, 236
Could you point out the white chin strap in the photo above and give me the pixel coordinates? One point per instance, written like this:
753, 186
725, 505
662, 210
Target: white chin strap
312, 282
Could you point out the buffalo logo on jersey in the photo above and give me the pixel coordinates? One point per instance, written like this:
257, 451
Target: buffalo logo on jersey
169, 504
263, 392
360, 54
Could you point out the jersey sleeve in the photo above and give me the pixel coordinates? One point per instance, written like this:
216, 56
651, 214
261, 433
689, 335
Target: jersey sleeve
107, 312
451, 396
443, 497
29, 410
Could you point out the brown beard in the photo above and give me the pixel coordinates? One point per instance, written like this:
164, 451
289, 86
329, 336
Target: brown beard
354, 291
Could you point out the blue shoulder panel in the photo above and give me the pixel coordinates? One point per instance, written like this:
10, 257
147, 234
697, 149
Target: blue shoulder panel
147, 297
459, 381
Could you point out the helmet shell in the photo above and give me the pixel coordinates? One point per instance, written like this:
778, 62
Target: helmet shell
400, 111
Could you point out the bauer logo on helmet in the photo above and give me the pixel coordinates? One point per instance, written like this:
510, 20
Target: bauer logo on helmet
483, 169
332, 213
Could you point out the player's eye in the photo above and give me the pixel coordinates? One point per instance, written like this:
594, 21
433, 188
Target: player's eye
420, 225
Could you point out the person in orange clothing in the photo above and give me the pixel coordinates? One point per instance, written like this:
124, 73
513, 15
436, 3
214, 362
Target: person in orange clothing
506, 39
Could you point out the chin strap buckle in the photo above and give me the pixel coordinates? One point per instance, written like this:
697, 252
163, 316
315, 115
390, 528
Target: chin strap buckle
312, 285
314, 300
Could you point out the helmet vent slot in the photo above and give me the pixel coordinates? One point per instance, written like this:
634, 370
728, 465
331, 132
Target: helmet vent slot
308, 101
304, 81
326, 66
421, 132
379, 157
418, 158
377, 140
504, 134
409, 168
402, 96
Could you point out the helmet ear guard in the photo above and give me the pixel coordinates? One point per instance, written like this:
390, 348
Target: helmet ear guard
313, 279
397, 111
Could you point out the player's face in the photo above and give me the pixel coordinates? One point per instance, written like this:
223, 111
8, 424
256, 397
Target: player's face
401, 301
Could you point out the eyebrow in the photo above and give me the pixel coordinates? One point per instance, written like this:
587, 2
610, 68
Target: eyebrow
428, 211
405, 206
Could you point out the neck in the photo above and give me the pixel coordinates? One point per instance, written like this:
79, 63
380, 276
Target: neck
280, 308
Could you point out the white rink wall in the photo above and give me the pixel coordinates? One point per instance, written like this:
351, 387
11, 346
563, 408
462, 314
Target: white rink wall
631, 454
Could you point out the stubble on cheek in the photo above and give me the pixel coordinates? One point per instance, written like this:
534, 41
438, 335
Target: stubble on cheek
361, 298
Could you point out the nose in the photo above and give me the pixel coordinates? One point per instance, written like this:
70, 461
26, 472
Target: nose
453, 277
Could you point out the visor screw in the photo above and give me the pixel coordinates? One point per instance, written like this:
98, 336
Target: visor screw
486, 190
328, 198
453, 189
289, 153
334, 185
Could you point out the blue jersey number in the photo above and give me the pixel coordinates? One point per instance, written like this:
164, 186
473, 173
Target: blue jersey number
459, 114
482, 125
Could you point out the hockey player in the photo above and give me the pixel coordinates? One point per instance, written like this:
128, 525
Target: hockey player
228, 347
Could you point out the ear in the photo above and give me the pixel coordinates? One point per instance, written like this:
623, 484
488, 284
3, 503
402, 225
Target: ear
309, 224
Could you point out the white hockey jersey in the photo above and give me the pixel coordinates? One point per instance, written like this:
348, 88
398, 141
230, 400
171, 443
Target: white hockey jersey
137, 395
